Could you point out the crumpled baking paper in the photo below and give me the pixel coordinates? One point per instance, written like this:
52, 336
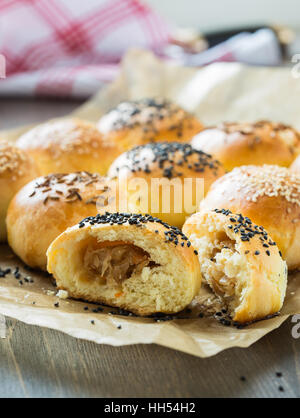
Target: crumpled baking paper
219, 92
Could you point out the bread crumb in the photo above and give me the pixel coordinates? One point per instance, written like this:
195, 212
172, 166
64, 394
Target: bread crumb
62, 294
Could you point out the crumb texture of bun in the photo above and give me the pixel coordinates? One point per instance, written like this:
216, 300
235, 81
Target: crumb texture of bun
130, 261
270, 196
262, 142
240, 262
45, 207
67, 146
134, 123
170, 171
16, 169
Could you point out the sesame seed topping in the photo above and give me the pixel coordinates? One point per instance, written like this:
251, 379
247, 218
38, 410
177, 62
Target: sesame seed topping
247, 230
12, 160
254, 182
254, 133
172, 235
147, 114
64, 136
72, 187
165, 156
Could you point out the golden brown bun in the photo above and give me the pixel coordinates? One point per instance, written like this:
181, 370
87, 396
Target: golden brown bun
149, 120
44, 208
165, 163
130, 261
67, 146
269, 196
240, 262
16, 169
263, 142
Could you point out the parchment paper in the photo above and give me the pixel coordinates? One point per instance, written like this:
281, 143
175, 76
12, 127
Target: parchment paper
220, 92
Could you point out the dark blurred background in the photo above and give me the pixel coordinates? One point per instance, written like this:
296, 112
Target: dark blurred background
217, 20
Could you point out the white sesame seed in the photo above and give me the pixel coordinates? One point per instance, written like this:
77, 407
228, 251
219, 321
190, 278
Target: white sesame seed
267, 180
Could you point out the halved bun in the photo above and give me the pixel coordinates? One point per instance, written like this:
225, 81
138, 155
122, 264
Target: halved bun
130, 261
240, 262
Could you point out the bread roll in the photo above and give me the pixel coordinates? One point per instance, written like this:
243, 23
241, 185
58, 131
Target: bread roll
129, 261
16, 169
240, 262
148, 120
44, 208
161, 179
237, 144
269, 196
67, 146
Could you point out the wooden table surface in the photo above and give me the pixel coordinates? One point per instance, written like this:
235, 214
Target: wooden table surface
36, 362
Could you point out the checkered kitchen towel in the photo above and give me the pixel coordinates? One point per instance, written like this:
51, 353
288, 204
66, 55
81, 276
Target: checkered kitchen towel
72, 47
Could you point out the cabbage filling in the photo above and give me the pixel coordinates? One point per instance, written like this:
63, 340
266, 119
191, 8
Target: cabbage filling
114, 262
221, 267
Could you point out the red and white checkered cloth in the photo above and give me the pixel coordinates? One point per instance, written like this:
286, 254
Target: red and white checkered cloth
72, 47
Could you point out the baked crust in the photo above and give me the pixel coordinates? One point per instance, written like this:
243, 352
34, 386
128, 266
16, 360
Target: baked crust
237, 144
165, 163
16, 169
240, 262
138, 122
168, 284
67, 146
269, 196
44, 208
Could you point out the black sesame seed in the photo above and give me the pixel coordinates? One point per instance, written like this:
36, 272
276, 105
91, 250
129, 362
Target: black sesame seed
172, 234
3, 273
163, 154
